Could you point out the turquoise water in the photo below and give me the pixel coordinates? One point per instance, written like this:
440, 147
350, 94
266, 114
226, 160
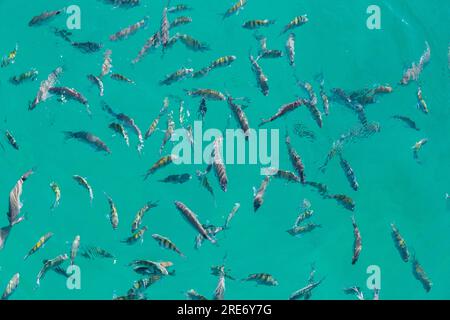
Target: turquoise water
336, 42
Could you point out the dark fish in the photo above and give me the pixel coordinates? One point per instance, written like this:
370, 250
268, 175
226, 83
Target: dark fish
162, 162
296, 22
303, 132
357, 245
235, 8
87, 47
299, 230
283, 110
71, 93
43, 17
96, 252
408, 121
193, 220
151, 42
261, 78
119, 77
296, 160
98, 82
202, 109
191, 43
255, 24
29, 75
258, 198
12, 141
177, 178
88, 138
218, 164
343, 200
179, 21
240, 116
349, 173
400, 243
179, 8
262, 278
419, 274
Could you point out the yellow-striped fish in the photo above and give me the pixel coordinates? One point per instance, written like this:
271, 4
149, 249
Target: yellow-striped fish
42, 240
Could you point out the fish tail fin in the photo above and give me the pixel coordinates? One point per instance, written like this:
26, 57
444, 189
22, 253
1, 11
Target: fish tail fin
68, 135
4, 233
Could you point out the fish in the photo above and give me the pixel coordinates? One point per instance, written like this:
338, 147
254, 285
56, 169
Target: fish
343, 200
336, 149
356, 291
421, 104
191, 43
262, 80
151, 42
179, 21
166, 243
230, 216
306, 291
270, 54
258, 23
219, 292
205, 182
417, 147
240, 116
74, 249
124, 3
11, 286
142, 284
234, 9
152, 267
303, 132
300, 230
190, 216
57, 191
107, 63
10, 58
136, 236
400, 243
202, 109
194, 295
284, 109
289, 176
262, 278
218, 270
290, 49
129, 122
212, 232
419, 274
177, 76
258, 197
169, 131
119, 128
415, 70
30, 75
15, 204
164, 29
63, 34
12, 141
71, 93
320, 187
119, 77
209, 94
177, 178
296, 160
87, 46
88, 138
409, 122
324, 96
201, 72
91, 252
357, 245
179, 8
140, 215
44, 17
349, 173
162, 162
98, 82
218, 164
41, 242
296, 22
44, 87
48, 265
311, 104
155, 122
126, 32
305, 214
113, 213
84, 183
224, 61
